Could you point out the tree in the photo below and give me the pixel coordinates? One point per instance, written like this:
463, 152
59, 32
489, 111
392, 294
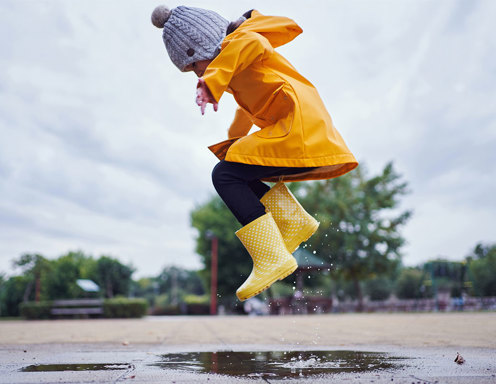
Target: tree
113, 277
411, 284
178, 281
359, 222
447, 275
482, 270
61, 281
12, 294
145, 287
34, 266
481, 251
2, 285
57, 279
379, 288
233, 260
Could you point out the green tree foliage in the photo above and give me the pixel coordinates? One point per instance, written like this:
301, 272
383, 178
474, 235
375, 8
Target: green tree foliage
177, 282
3, 280
146, 287
234, 263
344, 289
359, 222
60, 283
56, 279
379, 288
12, 294
482, 270
412, 283
447, 275
34, 266
441, 268
113, 277
481, 251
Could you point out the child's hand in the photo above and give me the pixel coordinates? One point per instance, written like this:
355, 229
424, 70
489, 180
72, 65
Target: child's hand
203, 96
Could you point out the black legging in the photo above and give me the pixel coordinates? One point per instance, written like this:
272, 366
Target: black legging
239, 186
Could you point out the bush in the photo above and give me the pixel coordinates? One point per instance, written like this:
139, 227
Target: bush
197, 309
196, 299
281, 289
124, 308
35, 310
378, 289
163, 307
412, 284
167, 310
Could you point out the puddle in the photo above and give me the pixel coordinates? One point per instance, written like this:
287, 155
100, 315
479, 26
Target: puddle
74, 367
279, 364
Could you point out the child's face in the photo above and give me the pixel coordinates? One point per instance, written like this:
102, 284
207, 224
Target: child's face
198, 67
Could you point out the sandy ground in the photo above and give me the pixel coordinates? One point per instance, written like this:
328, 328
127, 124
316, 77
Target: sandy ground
453, 330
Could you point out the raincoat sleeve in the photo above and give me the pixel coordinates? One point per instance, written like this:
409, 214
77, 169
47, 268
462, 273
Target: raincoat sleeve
237, 53
241, 124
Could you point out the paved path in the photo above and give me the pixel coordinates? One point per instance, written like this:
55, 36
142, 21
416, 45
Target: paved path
414, 330
140, 349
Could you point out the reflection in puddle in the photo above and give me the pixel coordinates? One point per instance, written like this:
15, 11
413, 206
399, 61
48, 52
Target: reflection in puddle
278, 364
74, 367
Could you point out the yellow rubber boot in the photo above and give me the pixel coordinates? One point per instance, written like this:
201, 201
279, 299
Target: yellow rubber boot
296, 224
271, 260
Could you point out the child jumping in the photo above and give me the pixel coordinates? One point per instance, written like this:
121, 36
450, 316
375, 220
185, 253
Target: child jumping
296, 140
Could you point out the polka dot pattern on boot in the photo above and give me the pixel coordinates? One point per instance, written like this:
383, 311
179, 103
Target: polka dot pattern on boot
263, 241
295, 224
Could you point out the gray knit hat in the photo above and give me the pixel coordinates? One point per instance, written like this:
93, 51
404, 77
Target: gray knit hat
190, 34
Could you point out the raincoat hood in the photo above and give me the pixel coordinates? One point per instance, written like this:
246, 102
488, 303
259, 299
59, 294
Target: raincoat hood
278, 30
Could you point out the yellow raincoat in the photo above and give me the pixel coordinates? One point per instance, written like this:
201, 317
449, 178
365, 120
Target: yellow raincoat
295, 127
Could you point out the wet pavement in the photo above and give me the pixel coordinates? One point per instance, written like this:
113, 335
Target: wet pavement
345, 348
103, 363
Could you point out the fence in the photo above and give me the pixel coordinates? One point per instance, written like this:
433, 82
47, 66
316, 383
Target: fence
305, 305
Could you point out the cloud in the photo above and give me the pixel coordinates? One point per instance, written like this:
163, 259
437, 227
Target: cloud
103, 149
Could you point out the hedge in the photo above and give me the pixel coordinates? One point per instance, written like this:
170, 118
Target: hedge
119, 308
35, 310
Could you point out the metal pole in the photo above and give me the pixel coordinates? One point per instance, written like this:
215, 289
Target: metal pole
213, 279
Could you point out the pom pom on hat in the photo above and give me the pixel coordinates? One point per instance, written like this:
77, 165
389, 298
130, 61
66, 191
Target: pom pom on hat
160, 15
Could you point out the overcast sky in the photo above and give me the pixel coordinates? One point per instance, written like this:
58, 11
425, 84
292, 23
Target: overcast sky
102, 148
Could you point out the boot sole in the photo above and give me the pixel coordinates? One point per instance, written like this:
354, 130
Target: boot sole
287, 270
306, 232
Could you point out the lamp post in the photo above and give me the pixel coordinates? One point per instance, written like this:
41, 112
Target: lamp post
213, 271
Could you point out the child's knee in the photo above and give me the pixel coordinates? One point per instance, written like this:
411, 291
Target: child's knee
219, 174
